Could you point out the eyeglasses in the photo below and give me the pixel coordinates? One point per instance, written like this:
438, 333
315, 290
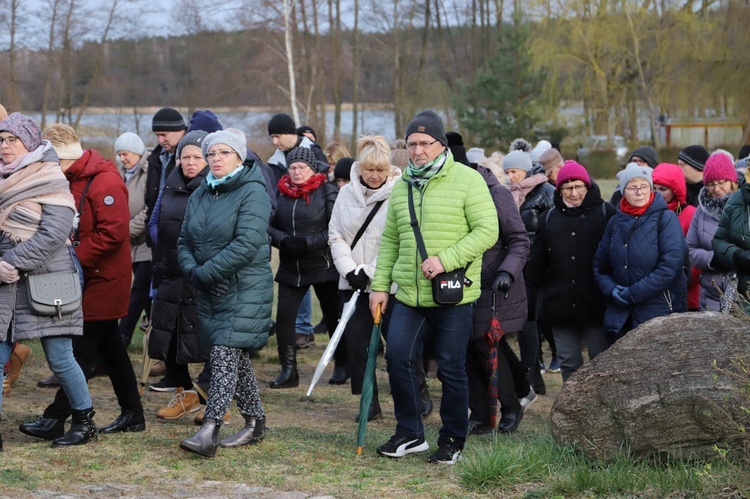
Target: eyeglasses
424, 145
297, 168
639, 188
719, 183
224, 154
10, 140
580, 188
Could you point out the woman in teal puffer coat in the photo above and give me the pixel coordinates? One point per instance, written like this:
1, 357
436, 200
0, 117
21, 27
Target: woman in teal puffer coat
223, 250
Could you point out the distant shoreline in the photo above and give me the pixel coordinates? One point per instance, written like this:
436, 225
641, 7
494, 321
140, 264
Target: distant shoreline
146, 110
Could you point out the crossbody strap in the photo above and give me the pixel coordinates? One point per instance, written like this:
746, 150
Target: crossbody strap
80, 211
417, 233
369, 218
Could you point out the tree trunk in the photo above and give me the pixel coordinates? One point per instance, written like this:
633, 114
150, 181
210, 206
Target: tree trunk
290, 59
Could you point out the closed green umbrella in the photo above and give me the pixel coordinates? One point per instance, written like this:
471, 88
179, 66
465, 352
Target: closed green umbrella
368, 381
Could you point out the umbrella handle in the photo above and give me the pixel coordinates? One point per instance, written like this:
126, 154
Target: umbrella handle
378, 315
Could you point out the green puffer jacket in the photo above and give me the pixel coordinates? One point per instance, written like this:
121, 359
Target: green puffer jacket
733, 236
458, 222
224, 239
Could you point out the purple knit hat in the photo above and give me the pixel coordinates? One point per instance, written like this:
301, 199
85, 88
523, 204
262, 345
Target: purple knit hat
572, 171
22, 127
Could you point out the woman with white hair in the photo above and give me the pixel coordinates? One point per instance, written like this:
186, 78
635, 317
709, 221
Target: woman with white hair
354, 234
223, 251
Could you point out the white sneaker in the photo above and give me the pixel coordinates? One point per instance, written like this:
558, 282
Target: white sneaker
528, 399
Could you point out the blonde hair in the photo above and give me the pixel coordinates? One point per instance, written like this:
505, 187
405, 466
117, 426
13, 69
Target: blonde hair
60, 134
373, 150
334, 151
3, 112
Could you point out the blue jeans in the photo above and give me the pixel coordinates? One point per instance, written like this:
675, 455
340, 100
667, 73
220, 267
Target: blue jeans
59, 353
304, 315
5, 351
449, 329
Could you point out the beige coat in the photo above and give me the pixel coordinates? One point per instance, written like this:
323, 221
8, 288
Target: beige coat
139, 252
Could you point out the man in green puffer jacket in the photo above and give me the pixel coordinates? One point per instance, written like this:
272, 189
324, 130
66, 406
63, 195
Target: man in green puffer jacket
458, 222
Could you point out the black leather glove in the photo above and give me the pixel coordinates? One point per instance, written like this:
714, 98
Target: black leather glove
219, 288
502, 282
195, 282
741, 261
358, 281
294, 245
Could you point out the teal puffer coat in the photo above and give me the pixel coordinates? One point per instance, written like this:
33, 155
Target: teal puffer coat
224, 239
458, 223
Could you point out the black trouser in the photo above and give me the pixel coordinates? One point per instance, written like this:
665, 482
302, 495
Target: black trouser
520, 380
358, 333
289, 300
139, 298
102, 339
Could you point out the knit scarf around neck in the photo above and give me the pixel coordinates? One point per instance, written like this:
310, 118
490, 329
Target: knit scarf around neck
302, 190
635, 211
420, 175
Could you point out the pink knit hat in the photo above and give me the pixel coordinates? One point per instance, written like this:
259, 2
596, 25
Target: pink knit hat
572, 171
719, 167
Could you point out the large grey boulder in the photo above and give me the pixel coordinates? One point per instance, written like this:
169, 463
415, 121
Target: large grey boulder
668, 387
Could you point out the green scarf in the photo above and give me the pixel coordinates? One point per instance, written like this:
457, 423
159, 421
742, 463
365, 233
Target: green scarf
419, 176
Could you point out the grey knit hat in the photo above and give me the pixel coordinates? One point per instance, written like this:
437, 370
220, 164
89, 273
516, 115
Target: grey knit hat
427, 121
304, 155
634, 170
223, 137
24, 128
517, 159
130, 142
194, 138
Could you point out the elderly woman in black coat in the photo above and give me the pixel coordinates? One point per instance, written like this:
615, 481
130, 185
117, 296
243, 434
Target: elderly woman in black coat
573, 305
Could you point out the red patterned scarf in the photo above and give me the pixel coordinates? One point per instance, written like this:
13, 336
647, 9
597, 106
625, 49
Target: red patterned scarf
303, 190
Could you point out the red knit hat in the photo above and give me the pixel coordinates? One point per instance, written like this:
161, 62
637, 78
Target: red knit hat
671, 175
719, 167
572, 171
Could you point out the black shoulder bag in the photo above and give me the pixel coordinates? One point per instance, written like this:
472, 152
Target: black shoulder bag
447, 287
369, 218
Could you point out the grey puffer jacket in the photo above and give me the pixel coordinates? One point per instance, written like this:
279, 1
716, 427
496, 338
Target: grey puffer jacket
699, 241
46, 251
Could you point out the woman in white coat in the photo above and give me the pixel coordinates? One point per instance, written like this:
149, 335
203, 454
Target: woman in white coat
363, 202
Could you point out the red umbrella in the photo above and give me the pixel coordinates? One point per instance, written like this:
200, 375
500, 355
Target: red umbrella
493, 334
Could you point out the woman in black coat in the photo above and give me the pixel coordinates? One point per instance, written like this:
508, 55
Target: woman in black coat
174, 337
572, 303
299, 229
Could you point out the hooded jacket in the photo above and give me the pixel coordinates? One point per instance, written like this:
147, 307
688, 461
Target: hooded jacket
224, 239
102, 236
733, 235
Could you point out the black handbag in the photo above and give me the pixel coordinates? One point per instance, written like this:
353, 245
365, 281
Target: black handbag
447, 287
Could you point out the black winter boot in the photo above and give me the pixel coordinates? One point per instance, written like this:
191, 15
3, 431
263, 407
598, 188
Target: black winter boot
289, 377
82, 430
46, 428
205, 441
536, 380
253, 432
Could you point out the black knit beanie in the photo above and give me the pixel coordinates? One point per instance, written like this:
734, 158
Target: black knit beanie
304, 155
744, 152
695, 156
167, 119
427, 121
343, 168
647, 154
282, 124
301, 130
456, 145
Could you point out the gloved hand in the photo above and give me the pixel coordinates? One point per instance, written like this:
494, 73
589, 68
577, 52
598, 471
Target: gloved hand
358, 281
8, 273
741, 261
197, 283
618, 296
502, 282
219, 288
294, 245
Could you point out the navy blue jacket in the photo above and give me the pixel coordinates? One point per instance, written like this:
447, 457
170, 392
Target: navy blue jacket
635, 253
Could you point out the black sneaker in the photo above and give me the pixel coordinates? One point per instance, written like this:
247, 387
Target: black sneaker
399, 446
446, 454
163, 385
